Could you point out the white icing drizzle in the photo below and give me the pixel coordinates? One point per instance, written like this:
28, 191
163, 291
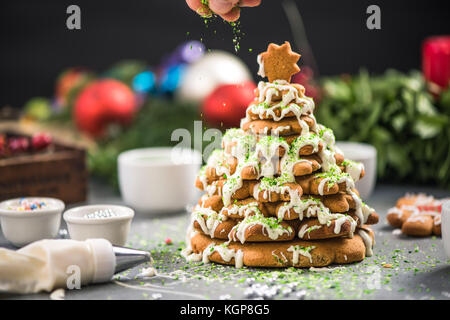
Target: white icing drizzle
209, 223
314, 207
354, 169
291, 158
338, 223
334, 176
270, 227
261, 71
187, 252
268, 147
367, 241
278, 259
225, 253
306, 229
292, 101
203, 178
239, 259
395, 210
217, 160
244, 210
278, 130
299, 250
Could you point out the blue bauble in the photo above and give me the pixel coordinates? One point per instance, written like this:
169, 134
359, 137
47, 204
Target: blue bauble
144, 82
171, 78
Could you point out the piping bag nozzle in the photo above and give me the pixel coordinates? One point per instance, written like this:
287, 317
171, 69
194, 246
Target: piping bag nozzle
127, 258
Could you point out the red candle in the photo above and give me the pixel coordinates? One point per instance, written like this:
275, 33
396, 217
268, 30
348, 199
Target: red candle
436, 62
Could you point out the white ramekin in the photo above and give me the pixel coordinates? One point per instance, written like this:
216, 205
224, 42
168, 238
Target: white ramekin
24, 227
155, 180
445, 226
115, 229
367, 154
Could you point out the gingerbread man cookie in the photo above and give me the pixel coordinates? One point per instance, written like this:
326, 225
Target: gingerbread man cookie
417, 215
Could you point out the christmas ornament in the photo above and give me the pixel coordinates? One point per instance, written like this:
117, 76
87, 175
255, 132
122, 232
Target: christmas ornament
306, 79
40, 141
104, 102
213, 69
436, 63
226, 105
171, 79
144, 82
126, 70
188, 52
69, 81
38, 109
173, 66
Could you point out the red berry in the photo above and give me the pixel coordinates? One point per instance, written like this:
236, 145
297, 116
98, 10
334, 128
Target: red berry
168, 241
41, 141
18, 145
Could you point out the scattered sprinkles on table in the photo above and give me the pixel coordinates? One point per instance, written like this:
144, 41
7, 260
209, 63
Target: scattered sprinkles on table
401, 267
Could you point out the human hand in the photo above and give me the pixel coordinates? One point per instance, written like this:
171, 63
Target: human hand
228, 10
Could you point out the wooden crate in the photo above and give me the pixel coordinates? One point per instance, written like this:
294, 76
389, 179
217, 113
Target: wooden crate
61, 174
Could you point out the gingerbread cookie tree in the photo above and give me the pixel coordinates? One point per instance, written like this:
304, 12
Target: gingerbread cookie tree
279, 193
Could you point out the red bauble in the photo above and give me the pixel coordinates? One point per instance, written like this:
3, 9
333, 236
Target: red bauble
226, 105
436, 61
104, 102
41, 141
306, 79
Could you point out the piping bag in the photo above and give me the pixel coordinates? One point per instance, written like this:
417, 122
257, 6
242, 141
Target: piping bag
46, 265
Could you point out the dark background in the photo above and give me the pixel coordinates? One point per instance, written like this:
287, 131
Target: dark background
35, 45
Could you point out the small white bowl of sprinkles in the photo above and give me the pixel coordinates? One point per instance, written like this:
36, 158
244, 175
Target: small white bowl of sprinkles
110, 222
25, 220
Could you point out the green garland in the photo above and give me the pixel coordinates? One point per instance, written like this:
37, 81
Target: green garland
394, 112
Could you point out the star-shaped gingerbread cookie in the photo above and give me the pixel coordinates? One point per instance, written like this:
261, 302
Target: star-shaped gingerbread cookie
279, 62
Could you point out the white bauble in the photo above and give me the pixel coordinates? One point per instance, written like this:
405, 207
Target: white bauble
213, 69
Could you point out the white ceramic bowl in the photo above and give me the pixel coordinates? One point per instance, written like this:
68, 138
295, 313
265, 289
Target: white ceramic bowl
367, 154
445, 226
24, 227
155, 180
115, 229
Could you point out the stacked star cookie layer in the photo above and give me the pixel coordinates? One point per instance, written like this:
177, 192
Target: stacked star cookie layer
280, 193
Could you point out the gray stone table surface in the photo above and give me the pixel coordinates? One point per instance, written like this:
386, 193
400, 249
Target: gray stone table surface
420, 269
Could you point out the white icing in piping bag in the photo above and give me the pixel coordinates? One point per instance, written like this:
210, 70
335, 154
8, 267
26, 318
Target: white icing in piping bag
47, 264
